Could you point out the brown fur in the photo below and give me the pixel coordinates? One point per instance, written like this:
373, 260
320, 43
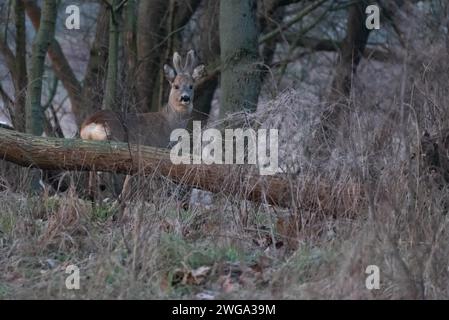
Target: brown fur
153, 128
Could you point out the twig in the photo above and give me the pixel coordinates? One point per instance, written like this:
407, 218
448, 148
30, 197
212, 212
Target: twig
120, 5
295, 19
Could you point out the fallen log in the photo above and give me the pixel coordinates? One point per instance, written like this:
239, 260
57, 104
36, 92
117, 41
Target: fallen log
241, 181
81, 155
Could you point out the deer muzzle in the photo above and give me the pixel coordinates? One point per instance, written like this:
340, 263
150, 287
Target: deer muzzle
185, 98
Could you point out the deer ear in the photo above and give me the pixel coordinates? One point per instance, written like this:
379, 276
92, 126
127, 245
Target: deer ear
177, 62
199, 72
170, 74
190, 61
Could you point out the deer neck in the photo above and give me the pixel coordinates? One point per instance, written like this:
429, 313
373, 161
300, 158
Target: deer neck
174, 117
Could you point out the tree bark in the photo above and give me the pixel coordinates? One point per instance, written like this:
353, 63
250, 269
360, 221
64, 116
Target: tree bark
44, 36
61, 66
209, 51
130, 35
94, 79
20, 66
350, 54
351, 51
150, 36
240, 76
110, 94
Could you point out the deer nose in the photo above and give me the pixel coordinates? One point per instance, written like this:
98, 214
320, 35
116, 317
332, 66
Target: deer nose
185, 98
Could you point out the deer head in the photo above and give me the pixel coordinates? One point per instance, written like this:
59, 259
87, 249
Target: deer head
182, 79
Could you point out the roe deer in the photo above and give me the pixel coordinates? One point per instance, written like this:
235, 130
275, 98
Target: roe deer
153, 128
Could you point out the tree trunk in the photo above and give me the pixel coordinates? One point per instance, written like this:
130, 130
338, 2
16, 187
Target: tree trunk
240, 76
130, 35
44, 36
350, 55
20, 66
209, 51
110, 94
130, 48
94, 79
351, 52
269, 18
61, 66
150, 36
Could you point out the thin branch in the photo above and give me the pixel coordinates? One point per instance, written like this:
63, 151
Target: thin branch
56, 128
299, 35
120, 5
294, 20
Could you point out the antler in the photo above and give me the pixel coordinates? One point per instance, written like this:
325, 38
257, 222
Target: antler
177, 63
190, 62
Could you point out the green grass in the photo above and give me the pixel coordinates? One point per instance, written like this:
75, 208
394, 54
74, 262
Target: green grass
103, 212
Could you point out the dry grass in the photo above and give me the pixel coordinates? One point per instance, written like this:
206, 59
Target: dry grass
394, 217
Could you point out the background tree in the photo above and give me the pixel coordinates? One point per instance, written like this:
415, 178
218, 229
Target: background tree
44, 37
209, 51
110, 94
349, 57
94, 78
61, 66
20, 65
240, 60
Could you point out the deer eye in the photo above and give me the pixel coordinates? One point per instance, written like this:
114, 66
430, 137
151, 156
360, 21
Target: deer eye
190, 87
176, 87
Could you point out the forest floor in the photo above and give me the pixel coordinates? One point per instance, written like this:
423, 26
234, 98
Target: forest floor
226, 249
